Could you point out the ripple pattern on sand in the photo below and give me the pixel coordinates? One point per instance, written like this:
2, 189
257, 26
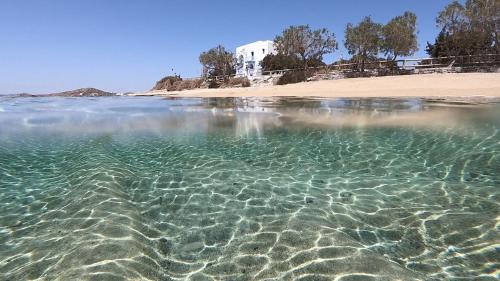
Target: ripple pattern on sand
287, 203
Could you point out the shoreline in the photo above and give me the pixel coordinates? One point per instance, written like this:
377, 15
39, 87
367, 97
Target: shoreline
461, 87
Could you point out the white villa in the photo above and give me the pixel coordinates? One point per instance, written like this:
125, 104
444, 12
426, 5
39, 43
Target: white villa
249, 56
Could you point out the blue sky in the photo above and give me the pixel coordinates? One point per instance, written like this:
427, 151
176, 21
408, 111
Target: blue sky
119, 45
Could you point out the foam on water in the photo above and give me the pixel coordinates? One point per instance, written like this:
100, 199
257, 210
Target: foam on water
245, 189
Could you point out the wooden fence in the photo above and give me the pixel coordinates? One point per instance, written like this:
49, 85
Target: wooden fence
406, 64
390, 66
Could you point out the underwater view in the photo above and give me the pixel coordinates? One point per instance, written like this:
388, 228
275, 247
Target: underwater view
123, 188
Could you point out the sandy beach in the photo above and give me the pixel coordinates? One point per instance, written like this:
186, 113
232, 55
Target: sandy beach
455, 86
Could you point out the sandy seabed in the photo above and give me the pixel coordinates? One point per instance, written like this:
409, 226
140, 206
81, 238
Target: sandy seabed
470, 85
233, 189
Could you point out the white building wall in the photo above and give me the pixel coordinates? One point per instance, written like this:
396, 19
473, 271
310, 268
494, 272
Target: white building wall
248, 58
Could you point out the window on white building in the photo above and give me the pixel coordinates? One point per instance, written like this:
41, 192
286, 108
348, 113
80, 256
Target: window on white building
263, 51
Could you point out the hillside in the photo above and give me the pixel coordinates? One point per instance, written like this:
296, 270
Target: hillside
84, 92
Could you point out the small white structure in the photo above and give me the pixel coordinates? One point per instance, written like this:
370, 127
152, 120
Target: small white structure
249, 56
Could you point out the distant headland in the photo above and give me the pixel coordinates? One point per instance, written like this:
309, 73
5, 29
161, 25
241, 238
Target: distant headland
82, 92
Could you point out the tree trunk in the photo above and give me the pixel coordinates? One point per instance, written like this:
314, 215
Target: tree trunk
393, 63
363, 58
497, 43
304, 59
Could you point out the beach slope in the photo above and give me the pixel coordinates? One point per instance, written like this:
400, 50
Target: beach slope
425, 85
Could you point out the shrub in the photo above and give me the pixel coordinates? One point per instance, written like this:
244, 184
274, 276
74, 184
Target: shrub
213, 84
245, 83
166, 82
175, 83
196, 83
177, 86
239, 82
186, 85
292, 77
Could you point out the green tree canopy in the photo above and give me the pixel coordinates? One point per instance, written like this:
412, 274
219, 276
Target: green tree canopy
305, 43
452, 19
363, 41
280, 62
400, 36
218, 61
484, 17
467, 30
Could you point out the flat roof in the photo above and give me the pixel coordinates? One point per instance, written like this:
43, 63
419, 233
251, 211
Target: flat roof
255, 43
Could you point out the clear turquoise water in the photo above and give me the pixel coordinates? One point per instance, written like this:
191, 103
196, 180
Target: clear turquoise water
245, 189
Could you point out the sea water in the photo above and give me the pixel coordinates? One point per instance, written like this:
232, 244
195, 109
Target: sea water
248, 189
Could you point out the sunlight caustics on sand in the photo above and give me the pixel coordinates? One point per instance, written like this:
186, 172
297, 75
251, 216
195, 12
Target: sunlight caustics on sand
248, 189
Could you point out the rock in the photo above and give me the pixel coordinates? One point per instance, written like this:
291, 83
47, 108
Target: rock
165, 246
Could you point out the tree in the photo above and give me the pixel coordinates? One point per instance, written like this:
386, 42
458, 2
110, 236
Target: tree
484, 17
452, 19
400, 36
440, 46
467, 30
305, 43
280, 62
363, 41
454, 26
218, 61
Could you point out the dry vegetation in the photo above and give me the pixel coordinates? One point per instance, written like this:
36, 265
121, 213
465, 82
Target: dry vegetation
175, 83
238, 82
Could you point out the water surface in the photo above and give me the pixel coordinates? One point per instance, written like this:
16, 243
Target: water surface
248, 189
